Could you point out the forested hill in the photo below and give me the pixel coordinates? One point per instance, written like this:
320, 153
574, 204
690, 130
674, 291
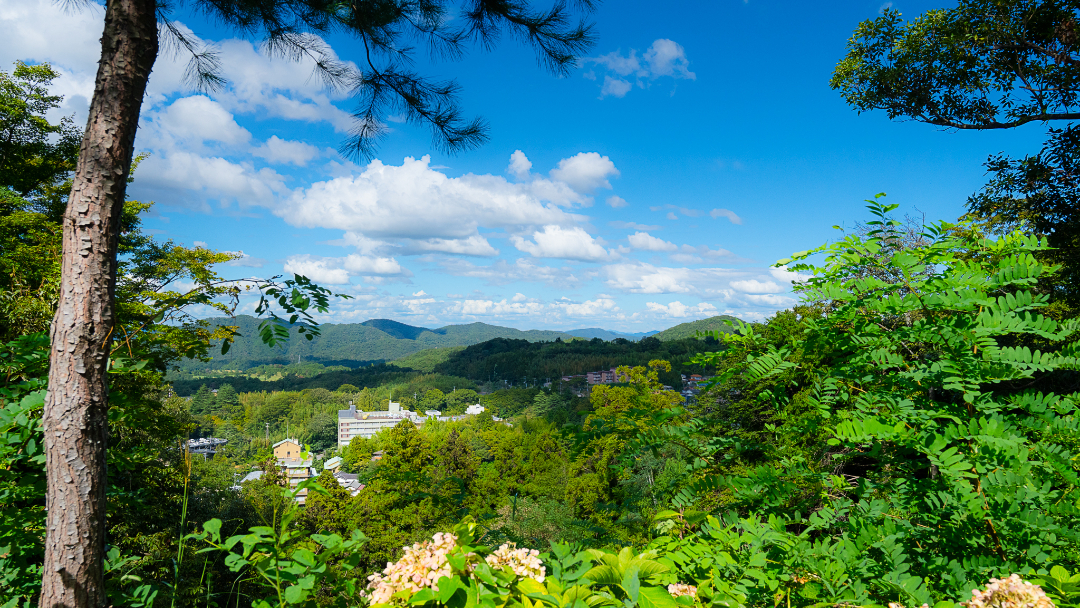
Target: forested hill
515, 360
355, 344
689, 330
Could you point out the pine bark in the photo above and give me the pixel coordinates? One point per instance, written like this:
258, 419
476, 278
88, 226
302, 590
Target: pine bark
76, 407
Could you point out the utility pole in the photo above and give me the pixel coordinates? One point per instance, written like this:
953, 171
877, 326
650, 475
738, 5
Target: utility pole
268, 433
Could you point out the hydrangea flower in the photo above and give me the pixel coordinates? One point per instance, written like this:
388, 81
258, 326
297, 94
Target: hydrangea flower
1011, 592
680, 589
524, 562
421, 567
425, 563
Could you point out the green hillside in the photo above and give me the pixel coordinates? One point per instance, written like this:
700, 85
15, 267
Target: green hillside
689, 330
354, 344
426, 360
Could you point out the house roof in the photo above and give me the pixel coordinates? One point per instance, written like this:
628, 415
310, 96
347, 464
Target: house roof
294, 463
287, 440
252, 476
333, 462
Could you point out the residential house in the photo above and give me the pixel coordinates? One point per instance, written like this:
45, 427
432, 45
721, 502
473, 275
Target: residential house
287, 449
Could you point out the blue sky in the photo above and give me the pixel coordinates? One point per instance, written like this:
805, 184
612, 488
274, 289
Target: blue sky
697, 143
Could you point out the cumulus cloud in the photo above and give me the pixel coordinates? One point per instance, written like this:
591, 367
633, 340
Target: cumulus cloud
564, 243
318, 270
337, 271
189, 179
663, 59
678, 310
190, 122
617, 202
284, 151
755, 286
730, 215
585, 172
646, 242
384, 202
519, 165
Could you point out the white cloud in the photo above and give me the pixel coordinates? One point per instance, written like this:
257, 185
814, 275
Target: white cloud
663, 59
337, 271
616, 202
419, 294
475, 245
615, 87
671, 215
756, 286
678, 310
632, 226
585, 172
646, 242
520, 297
730, 215
565, 243
188, 179
414, 201
282, 151
668, 58
785, 276
588, 308
501, 272
246, 261
191, 121
519, 165
368, 265
318, 270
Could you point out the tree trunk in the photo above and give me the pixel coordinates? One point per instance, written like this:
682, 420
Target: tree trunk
76, 408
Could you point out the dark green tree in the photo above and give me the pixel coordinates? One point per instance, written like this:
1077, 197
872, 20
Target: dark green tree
228, 403
204, 402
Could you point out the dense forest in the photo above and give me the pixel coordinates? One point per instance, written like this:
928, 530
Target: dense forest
908, 434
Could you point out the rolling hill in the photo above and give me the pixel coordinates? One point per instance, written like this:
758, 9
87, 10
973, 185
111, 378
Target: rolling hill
354, 344
689, 330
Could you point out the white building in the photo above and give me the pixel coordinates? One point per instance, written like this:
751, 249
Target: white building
356, 423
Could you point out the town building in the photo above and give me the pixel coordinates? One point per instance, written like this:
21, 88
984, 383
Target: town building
602, 377
357, 423
287, 449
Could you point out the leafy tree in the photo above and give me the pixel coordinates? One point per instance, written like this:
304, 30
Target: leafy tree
981, 65
35, 155
321, 432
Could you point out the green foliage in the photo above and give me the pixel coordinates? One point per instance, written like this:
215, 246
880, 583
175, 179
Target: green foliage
289, 566
34, 154
23, 365
984, 64
943, 465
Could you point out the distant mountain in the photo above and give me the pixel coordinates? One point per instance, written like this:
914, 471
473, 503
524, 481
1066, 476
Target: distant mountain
688, 330
605, 334
355, 344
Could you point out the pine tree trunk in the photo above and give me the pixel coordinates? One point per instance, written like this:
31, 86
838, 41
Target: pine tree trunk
76, 408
